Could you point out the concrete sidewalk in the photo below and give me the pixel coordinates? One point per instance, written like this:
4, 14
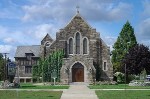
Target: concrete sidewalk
79, 92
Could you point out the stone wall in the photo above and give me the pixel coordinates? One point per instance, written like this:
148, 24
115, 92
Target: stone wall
89, 69
98, 50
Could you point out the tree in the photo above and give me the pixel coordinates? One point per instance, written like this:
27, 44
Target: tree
125, 41
2, 64
137, 59
46, 67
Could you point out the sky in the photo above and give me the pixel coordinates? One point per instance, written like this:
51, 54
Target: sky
26, 22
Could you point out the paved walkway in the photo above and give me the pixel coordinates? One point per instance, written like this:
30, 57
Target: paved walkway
79, 92
35, 89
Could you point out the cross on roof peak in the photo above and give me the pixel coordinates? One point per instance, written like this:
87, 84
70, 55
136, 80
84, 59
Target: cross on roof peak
77, 7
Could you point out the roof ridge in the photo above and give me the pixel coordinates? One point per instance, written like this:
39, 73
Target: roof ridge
78, 15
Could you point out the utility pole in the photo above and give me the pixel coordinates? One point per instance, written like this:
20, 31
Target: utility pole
5, 66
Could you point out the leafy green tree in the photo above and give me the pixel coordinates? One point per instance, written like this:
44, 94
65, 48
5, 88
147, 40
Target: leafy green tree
37, 71
137, 60
2, 64
125, 41
47, 66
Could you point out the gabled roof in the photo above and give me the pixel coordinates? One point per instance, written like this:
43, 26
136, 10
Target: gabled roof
47, 37
22, 50
79, 17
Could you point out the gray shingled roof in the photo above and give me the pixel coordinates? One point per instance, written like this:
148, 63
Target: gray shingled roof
21, 50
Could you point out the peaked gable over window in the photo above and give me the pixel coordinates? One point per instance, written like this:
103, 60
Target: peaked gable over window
47, 38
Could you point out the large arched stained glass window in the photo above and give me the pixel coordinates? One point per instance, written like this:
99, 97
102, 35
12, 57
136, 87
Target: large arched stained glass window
70, 46
77, 43
84, 46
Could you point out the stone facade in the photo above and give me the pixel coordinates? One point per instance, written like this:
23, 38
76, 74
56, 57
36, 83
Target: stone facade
98, 52
26, 57
94, 64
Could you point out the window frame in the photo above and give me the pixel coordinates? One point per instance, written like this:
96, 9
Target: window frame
105, 67
27, 71
71, 46
87, 46
77, 45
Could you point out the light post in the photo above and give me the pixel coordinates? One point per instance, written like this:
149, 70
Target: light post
54, 76
125, 79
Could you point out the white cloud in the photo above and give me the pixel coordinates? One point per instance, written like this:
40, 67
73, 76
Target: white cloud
5, 48
108, 11
9, 40
39, 32
36, 12
146, 5
145, 42
42, 30
109, 41
3, 31
144, 25
9, 11
144, 28
64, 9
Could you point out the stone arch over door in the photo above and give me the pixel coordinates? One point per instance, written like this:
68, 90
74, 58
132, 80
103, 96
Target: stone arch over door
77, 72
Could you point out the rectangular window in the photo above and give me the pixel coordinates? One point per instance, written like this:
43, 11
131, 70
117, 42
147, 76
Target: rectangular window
105, 66
28, 69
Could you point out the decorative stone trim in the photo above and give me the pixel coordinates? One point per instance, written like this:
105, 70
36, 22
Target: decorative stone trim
87, 45
68, 45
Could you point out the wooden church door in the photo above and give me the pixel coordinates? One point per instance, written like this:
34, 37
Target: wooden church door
78, 73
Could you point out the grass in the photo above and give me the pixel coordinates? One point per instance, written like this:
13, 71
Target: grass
30, 95
119, 86
31, 86
128, 94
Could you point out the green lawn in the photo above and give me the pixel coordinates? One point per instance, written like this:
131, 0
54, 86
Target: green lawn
30, 95
119, 86
31, 86
128, 94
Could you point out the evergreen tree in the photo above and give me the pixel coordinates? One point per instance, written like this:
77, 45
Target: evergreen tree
125, 41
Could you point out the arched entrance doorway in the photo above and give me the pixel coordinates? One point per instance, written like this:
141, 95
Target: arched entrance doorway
78, 72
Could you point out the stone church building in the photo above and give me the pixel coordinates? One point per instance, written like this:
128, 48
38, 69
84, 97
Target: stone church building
87, 57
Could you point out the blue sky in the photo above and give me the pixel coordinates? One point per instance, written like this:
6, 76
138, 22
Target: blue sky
26, 22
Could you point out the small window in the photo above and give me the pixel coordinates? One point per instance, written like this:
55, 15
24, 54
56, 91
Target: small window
22, 80
47, 44
28, 69
28, 80
70, 46
105, 66
29, 55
